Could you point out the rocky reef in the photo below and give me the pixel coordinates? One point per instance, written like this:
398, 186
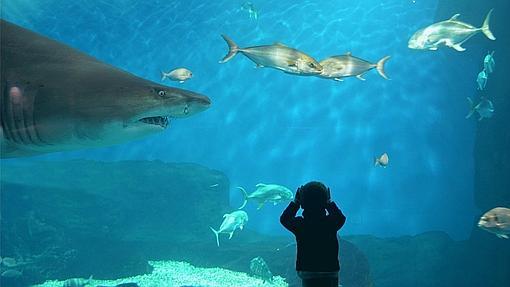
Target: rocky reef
108, 219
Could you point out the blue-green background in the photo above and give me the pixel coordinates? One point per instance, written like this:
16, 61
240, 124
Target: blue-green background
271, 127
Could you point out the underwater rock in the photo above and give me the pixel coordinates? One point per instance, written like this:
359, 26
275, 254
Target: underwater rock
65, 217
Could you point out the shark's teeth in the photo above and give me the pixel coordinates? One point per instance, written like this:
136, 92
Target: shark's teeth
159, 121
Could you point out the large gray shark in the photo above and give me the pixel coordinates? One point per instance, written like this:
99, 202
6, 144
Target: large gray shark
55, 98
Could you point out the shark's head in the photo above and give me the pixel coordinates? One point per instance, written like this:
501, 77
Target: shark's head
150, 108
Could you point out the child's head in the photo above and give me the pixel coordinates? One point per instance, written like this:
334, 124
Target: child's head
314, 196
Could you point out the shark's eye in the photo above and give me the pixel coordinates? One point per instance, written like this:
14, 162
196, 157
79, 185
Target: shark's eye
162, 93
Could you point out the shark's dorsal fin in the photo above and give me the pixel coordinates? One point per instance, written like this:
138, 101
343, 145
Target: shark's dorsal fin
260, 184
454, 17
279, 44
348, 54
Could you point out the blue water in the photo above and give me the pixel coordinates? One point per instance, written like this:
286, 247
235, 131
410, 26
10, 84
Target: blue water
267, 126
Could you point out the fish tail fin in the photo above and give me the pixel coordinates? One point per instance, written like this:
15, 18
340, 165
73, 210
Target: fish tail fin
232, 49
376, 161
485, 27
471, 108
217, 237
245, 197
380, 67
163, 76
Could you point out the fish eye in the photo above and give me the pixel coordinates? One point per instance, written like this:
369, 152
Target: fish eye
311, 65
186, 110
162, 93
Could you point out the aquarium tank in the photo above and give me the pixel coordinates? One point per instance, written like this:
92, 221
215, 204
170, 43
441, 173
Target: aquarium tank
157, 142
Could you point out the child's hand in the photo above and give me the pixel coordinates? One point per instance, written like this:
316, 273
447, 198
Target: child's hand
297, 197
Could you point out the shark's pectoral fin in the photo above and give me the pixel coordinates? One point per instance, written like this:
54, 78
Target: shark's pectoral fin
230, 235
502, 236
360, 77
260, 205
338, 79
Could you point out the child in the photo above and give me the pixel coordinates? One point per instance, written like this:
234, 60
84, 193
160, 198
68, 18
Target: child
316, 234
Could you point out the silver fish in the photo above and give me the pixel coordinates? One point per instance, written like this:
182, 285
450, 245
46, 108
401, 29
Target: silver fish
8, 262
231, 222
497, 221
451, 33
383, 160
77, 282
250, 8
11, 273
489, 63
482, 80
484, 108
277, 56
179, 74
338, 67
259, 268
263, 193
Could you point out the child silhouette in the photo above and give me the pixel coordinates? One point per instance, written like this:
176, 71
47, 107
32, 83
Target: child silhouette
316, 234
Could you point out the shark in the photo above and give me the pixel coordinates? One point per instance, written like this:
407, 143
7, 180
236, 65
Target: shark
55, 98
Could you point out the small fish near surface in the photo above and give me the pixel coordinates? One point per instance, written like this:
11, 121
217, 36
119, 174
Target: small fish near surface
383, 160
489, 63
272, 193
484, 108
339, 67
231, 222
450, 33
497, 221
259, 268
277, 56
481, 80
180, 75
250, 8
77, 282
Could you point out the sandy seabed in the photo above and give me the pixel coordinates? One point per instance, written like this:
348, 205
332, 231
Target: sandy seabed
177, 274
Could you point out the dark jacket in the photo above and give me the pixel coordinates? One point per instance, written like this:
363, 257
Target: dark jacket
316, 238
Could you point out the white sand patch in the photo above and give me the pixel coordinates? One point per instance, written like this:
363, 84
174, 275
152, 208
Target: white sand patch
177, 274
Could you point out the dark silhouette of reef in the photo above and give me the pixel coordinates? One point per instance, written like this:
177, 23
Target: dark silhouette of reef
107, 219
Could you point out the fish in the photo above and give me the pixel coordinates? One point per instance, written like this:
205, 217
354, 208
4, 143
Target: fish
11, 273
77, 282
339, 67
450, 33
489, 63
129, 284
8, 262
250, 8
266, 193
484, 108
179, 74
259, 268
383, 160
231, 222
497, 221
481, 80
277, 56
55, 98
214, 185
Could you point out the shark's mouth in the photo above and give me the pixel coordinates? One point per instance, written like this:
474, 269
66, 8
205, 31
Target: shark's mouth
159, 121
